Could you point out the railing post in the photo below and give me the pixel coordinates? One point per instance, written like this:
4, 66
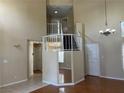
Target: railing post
71, 42
62, 42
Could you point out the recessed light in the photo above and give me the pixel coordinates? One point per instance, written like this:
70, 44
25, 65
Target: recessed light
56, 12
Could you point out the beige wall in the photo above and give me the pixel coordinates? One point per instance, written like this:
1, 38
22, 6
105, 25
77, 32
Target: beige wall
20, 20
78, 66
59, 2
91, 13
1, 52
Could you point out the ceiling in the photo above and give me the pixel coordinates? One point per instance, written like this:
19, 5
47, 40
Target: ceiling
62, 10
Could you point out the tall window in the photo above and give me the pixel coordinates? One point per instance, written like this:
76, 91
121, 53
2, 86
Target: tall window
123, 56
122, 35
122, 29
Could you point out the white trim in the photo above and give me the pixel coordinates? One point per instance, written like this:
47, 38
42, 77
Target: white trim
65, 68
13, 83
79, 81
72, 63
47, 82
51, 35
66, 84
107, 77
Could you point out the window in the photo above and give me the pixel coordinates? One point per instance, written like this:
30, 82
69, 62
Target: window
123, 56
122, 29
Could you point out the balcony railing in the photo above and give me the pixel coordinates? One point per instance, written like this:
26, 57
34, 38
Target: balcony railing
62, 42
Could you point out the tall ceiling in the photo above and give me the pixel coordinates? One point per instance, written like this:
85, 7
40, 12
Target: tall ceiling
62, 10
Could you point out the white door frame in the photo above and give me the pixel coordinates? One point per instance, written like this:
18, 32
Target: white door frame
28, 57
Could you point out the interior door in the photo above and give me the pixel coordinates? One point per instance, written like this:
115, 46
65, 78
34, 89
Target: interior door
93, 58
37, 57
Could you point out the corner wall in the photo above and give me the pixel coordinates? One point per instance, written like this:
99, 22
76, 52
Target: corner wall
78, 66
50, 67
91, 13
21, 20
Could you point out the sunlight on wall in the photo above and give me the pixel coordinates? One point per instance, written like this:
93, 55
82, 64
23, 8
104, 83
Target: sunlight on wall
4, 10
31, 58
11, 16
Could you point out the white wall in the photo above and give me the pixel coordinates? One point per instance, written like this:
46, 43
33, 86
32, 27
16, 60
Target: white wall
67, 60
91, 13
50, 67
21, 20
78, 66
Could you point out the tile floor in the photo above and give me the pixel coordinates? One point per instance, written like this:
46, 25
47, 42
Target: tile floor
25, 87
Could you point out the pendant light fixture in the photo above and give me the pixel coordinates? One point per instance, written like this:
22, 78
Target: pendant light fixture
107, 30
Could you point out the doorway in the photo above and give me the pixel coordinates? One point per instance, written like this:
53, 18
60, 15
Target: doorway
35, 59
93, 59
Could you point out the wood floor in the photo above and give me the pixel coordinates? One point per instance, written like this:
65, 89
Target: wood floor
90, 85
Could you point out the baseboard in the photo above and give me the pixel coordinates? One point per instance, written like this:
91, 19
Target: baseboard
79, 81
112, 78
65, 68
66, 84
13, 83
47, 82
93, 75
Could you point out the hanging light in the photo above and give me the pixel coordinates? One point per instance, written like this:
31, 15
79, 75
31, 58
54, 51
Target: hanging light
108, 30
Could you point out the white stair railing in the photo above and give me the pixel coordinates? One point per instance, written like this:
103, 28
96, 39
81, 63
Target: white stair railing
62, 42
